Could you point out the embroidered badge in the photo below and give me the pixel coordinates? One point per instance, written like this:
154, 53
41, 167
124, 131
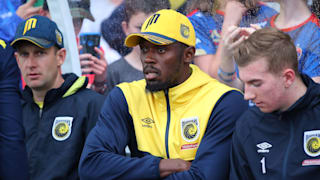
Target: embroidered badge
264, 147
59, 37
190, 129
185, 31
61, 128
299, 51
147, 122
311, 143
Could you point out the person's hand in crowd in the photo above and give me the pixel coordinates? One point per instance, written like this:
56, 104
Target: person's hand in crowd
27, 10
233, 13
90, 63
230, 40
169, 166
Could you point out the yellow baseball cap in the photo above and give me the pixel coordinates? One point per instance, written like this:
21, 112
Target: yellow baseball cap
164, 27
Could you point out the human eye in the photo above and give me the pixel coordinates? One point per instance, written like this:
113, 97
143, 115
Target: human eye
40, 53
162, 50
144, 49
23, 54
138, 28
256, 84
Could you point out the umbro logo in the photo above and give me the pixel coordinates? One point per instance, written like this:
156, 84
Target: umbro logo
264, 147
147, 122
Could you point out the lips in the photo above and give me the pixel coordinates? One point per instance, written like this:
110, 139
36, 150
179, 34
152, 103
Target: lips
259, 104
150, 73
33, 75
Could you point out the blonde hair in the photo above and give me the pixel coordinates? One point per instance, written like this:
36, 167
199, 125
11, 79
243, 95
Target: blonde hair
272, 44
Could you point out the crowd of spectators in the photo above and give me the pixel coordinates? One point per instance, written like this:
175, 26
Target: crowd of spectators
176, 89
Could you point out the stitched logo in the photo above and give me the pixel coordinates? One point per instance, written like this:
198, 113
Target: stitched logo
147, 122
185, 31
30, 24
61, 128
264, 147
311, 143
190, 129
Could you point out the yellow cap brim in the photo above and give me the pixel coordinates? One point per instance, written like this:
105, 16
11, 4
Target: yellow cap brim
134, 39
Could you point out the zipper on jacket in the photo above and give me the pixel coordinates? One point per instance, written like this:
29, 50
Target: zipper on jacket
286, 156
168, 122
40, 113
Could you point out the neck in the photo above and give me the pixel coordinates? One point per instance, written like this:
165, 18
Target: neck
39, 94
295, 92
133, 58
292, 13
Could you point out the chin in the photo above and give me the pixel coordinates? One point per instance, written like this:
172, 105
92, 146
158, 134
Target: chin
157, 86
264, 110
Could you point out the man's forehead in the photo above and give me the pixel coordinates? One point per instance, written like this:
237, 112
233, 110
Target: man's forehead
253, 71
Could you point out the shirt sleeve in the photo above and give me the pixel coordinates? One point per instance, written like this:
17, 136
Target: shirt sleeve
104, 151
212, 157
311, 57
8, 27
206, 33
13, 154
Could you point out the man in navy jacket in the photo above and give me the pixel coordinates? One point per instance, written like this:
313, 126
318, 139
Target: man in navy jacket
13, 155
278, 138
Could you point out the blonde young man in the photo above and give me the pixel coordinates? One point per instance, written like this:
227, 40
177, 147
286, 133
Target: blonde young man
177, 121
58, 110
278, 138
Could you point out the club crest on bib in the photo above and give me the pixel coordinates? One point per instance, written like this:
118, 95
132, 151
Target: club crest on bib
311, 143
61, 128
190, 129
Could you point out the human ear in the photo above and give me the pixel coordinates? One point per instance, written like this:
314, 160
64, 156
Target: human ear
189, 54
124, 26
289, 77
16, 55
61, 56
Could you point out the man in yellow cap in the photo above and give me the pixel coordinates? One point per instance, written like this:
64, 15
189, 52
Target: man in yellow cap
177, 122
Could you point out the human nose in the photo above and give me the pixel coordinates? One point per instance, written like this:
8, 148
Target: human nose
31, 61
248, 93
148, 56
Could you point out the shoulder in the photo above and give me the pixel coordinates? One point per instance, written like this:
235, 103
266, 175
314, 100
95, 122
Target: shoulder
248, 120
201, 19
134, 86
231, 103
89, 96
117, 65
6, 54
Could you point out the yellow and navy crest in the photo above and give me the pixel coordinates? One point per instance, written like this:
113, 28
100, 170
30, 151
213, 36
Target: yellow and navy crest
190, 129
61, 128
185, 31
59, 37
311, 143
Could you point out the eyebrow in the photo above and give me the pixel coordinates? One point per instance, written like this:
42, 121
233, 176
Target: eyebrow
254, 80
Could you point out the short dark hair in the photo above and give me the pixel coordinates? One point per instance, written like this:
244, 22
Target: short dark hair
146, 6
270, 43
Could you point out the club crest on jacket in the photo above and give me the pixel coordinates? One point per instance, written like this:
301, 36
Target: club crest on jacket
311, 143
61, 128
